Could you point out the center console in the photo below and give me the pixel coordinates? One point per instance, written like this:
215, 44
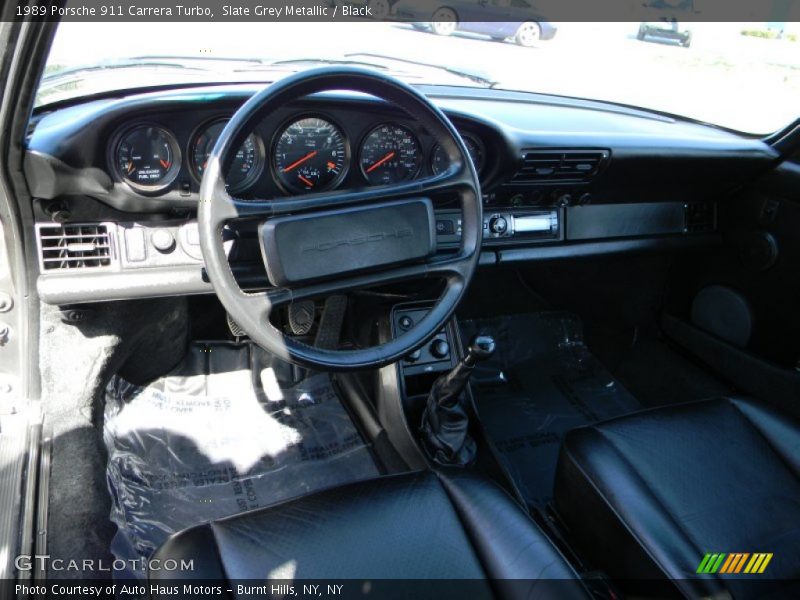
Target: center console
433, 358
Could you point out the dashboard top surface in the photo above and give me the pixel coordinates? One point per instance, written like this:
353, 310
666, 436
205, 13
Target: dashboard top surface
513, 109
653, 157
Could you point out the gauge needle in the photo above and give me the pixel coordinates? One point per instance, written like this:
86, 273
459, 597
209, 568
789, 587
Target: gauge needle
381, 161
299, 162
164, 163
130, 167
308, 182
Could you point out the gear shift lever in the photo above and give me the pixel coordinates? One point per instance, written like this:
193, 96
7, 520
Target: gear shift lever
445, 423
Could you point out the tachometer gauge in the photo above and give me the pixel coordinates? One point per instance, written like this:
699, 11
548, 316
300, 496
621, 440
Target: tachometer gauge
440, 161
310, 154
390, 154
148, 158
246, 166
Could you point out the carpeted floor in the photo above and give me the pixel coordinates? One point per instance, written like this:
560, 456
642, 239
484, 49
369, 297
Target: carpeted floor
76, 360
542, 382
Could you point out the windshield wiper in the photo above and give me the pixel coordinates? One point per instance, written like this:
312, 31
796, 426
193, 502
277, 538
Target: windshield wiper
124, 63
328, 61
245, 65
474, 76
195, 68
354, 60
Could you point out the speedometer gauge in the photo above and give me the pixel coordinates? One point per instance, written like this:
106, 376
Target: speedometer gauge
148, 158
310, 154
246, 165
390, 154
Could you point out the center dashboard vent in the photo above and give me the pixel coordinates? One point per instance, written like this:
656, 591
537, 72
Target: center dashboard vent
557, 166
74, 246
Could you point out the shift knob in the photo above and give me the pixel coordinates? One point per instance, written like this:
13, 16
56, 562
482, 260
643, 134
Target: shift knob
481, 347
444, 429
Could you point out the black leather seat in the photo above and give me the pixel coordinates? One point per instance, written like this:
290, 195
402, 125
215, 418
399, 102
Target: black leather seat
646, 496
421, 526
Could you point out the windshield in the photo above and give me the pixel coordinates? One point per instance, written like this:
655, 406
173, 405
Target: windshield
740, 76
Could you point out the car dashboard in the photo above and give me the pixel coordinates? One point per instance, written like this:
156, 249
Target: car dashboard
115, 181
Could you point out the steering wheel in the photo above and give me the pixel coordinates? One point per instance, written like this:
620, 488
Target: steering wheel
324, 243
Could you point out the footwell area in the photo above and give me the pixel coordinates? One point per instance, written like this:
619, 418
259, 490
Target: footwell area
229, 430
651, 370
541, 382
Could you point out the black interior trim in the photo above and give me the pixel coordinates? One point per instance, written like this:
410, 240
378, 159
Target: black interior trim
650, 244
754, 376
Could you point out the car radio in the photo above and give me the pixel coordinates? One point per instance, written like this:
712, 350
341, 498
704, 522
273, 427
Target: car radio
504, 226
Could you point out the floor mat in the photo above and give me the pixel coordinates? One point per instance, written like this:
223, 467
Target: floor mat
227, 431
541, 382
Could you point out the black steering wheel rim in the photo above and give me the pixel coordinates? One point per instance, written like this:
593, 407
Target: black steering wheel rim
251, 310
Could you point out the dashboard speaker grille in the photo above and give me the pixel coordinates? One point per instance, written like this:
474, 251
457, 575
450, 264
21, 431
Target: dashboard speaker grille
74, 246
544, 166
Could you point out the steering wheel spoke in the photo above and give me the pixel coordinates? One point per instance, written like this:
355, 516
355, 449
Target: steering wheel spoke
260, 305
451, 268
453, 182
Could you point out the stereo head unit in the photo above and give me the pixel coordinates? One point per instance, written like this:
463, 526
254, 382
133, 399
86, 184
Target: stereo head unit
544, 225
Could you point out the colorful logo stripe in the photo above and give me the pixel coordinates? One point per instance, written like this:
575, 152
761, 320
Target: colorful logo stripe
734, 562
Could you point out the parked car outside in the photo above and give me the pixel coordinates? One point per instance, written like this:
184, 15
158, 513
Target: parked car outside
665, 30
497, 19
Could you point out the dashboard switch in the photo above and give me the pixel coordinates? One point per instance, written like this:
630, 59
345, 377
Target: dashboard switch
163, 240
192, 235
445, 227
440, 349
135, 245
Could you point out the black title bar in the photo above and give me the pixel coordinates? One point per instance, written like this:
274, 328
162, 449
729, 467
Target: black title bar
407, 10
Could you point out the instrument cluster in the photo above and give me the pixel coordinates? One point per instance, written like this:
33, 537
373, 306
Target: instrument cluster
305, 153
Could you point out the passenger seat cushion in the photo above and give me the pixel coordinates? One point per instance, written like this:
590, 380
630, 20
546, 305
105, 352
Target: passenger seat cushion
354, 531
645, 496
452, 525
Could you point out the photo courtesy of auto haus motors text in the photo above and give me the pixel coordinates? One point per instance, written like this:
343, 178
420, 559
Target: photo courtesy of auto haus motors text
394, 299
122, 590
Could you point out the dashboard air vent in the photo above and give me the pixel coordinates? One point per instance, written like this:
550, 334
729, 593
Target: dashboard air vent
560, 165
73, 246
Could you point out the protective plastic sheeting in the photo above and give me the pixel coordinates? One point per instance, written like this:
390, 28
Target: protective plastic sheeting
541, 382
228, 430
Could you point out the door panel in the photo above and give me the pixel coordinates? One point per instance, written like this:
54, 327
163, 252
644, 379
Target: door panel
753, 276
760, 260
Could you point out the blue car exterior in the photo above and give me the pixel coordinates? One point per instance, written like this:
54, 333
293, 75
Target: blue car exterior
495, 18
505, 28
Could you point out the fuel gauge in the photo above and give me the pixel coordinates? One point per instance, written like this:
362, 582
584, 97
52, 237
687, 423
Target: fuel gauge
148, 158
